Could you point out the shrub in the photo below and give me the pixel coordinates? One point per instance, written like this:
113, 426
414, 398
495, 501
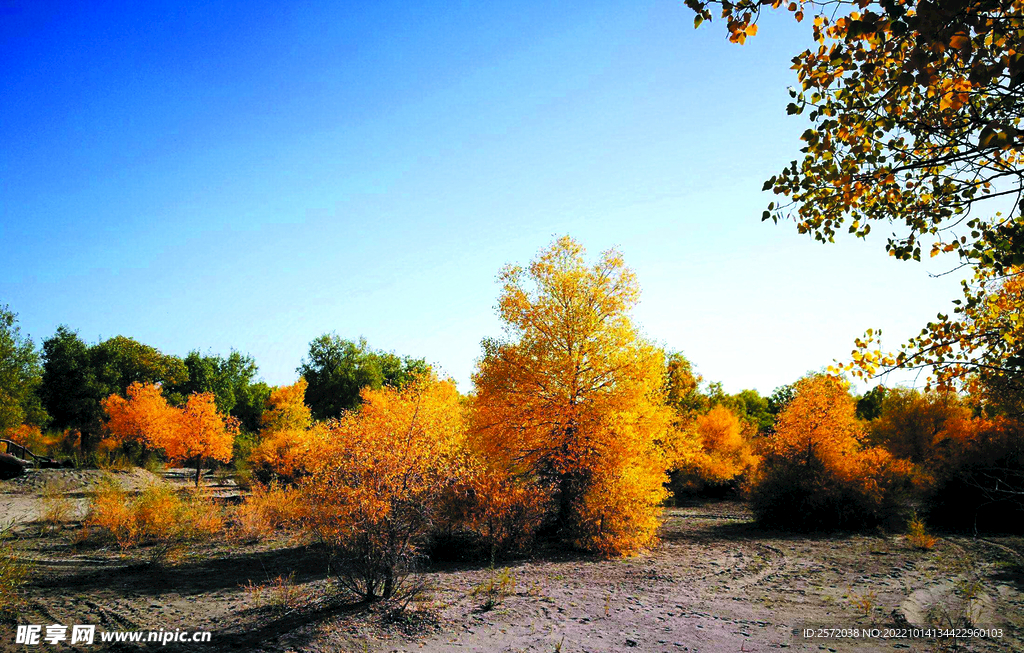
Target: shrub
267, 509
492, 508
13, 574
972, 464
918, 536
377, 485
498, 586
57, 506
286, 454
979, 477
156, 516
816, 473
724, 456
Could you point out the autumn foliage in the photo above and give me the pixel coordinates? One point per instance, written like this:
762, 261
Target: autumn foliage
818, 473
570, 402
972, 465
157, 515
377, 484
724, 452
288, 437
191, 434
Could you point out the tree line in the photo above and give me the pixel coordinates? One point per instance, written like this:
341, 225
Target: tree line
62, 386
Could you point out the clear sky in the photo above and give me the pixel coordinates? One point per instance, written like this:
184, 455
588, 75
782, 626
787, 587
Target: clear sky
253, 174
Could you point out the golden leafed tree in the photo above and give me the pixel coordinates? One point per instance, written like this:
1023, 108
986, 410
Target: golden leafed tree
191, 434
201, 434
288, 436
725, 452
571, 399
143, 419
915, 112
286, 408
817, 473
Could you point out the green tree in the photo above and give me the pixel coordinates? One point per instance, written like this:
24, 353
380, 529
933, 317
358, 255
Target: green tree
121, 361
20, 376
682, 386
869, 405
337, 369
751, 407
232, 382
77, 377
70, 391
780, 398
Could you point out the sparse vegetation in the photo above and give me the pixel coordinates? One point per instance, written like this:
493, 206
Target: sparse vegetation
918, 536
13, 573
158, 516
498, 586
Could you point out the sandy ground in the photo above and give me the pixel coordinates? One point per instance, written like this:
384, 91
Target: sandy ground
715, 584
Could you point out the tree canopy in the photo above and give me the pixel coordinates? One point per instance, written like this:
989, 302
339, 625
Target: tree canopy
231, 380
336, 370
20, 376
915, 110
77, 377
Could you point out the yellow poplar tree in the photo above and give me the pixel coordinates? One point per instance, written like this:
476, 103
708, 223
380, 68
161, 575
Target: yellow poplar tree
202, 433
572, 399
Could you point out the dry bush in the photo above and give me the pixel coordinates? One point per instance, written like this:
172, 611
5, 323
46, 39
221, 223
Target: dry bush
268, 509
111, 514
13, 574
157, 515
57, 505
918, 536
817, 474
498, 586
279, 593
489, 508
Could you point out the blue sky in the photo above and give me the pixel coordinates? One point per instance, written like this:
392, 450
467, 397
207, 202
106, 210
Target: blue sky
252, 175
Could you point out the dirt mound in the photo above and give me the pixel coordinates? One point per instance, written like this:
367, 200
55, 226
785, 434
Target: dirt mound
75, 481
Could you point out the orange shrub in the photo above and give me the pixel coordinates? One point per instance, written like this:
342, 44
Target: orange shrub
155, 516
493, 507
378, 481
267, 509
972, 466
286, 408
817, 474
